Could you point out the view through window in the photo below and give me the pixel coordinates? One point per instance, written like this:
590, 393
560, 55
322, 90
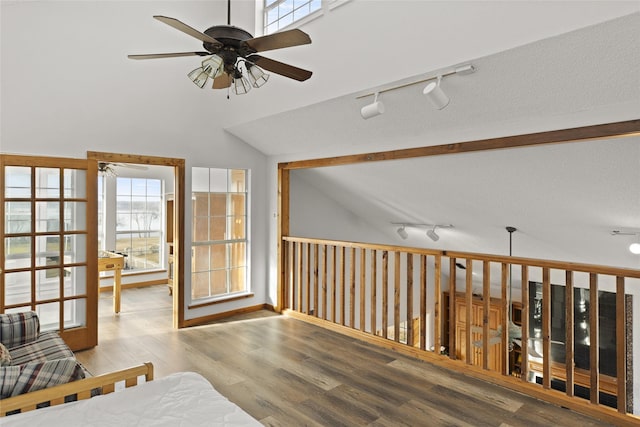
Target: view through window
219, 256
280, 13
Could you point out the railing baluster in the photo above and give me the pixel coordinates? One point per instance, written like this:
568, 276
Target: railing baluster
524, 321
316, 281
288, 297
385, 293
621, 344
423, 302
308, 280
594, 343
469, 312
505, 305
343, 285
437, 291
396, 298
352, 288
546, 328
374, 290
299, 278
452, 308
333, 283
569, 334
363, 287
324, 282
486, 310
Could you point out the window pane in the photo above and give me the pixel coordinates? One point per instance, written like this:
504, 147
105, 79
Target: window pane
238, 203
138, 187
286, 20
48, 282
218, 256
47, 216
46, 247
17, 252
17, 217
272, 15
201, 258
218, 282
201, 229
237, 279
123, 186
238, 179
75, 183
47, 182
75, 313
315, 5
218, 204
75, 248
75, 216
75, 281
236, 227
237, 255
200, 285
49, 316
218, 183
201, 204
17, 182
17, 287
218, 228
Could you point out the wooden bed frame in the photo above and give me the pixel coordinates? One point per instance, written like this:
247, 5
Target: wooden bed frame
81, 388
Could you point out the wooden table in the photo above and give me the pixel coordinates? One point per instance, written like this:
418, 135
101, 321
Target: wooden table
109, 261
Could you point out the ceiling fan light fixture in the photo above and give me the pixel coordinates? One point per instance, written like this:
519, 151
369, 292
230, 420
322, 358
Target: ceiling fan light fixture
199, 77
213, 66
257, 76
241, 84
433, 91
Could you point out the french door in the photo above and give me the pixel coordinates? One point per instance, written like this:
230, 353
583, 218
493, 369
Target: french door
48, 256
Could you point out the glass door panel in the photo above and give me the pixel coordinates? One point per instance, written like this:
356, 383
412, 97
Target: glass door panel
48, 259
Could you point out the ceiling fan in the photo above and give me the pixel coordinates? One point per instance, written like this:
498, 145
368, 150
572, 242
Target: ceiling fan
232, 58
109, 169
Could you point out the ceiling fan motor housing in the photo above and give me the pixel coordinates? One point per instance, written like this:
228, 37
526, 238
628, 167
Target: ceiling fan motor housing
232, 39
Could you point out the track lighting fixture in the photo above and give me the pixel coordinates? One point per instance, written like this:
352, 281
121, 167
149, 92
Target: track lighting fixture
432, 234
374, 109
634, 248
402, 232
433, 91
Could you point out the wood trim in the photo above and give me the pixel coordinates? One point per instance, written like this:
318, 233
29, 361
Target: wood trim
452, 306
594, 342
213, 317
524, 319
374, 290
586, 133
221, 301
363, 287
546, 328
282, 230
179, 218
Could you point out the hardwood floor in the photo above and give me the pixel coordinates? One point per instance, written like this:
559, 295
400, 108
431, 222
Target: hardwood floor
285, 372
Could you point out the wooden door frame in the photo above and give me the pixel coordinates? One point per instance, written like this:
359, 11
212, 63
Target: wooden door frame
178, 217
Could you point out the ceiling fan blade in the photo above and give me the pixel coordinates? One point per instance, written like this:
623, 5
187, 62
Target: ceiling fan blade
278, 40
181, 26
280, 68
167, 55
223, 81
130, 166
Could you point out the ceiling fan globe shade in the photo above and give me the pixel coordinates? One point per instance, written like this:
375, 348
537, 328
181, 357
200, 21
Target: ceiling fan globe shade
199, 77
371, 110
213, 66
257, 76
634, 248
241, 85
432, 235
436, 95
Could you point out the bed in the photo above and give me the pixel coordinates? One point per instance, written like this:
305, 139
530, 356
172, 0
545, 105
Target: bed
181, 399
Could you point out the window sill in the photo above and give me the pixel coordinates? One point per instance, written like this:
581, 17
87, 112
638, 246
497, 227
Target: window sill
220, 300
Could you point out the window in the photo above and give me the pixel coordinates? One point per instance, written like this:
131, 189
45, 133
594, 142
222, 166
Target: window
280, 13
139, 222
219, 255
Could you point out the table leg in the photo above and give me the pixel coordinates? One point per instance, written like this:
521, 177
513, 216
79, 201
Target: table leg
116, 290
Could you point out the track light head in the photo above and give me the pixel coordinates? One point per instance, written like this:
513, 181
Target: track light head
634, 248
432, 234
374, 109
403, 233
436, 95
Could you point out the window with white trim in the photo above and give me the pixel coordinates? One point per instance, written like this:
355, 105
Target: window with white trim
219, 235
281, 13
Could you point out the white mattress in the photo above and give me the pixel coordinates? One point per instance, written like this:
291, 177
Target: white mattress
182, 399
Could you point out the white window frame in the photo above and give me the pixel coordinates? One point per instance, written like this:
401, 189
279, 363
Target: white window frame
325, 6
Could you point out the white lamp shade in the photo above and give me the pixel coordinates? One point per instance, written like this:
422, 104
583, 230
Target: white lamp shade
436, 95
374, 109
257, 77
198, 77
634, 248
403, 233
241, 85
213, 66
432, 235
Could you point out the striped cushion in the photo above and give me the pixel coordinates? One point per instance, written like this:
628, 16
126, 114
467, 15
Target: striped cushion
18, 328
48, 346
39, 375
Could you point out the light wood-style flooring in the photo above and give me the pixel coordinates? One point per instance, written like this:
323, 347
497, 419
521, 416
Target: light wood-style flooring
285, 372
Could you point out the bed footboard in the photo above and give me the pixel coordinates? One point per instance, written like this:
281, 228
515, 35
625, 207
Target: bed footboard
82, 389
